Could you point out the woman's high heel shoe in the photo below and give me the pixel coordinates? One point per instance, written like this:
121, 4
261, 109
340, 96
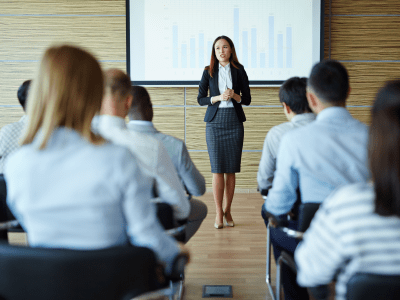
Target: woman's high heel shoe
218, 225
228, 223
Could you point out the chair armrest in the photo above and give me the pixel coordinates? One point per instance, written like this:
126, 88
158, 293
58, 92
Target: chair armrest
177, 231
288, 260
178, 267
9, 224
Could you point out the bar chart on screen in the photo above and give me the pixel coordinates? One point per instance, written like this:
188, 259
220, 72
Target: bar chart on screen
273, 39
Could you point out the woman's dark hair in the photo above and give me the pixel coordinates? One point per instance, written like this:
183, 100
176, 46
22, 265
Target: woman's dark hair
22, 93
329, 80
384, 149
293, 94
214, 61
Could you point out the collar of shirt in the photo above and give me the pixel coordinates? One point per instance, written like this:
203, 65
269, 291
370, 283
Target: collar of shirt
333, 113
302, 117
226, 68
114, 121
141, 123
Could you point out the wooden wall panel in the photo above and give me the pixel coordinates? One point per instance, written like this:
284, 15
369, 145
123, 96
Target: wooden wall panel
366, 78
27, 37
196, 128
10, 114
365, 7
259, 122
166, 96
362, 114
365, 38
79, 7
170, 121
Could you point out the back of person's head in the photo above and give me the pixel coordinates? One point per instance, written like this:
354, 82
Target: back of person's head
141, 108
384, 149
117, 83
329, 81
23, 93
293, 94
67, 91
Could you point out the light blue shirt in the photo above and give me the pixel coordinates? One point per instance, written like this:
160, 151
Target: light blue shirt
74, 194
191, 177
318, 158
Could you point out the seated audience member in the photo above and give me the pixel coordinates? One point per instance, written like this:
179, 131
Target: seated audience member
10, 134
292, 95
152, 155
357, 229
140, 120
317, 158
9, 142
68, 187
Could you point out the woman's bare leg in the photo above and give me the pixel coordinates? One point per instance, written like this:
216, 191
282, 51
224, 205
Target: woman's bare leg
230, 182
218, 191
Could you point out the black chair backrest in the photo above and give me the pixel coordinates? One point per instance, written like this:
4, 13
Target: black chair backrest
306, 213
363, 286
46, 274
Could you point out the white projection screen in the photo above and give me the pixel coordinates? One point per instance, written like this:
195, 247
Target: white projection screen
169, 41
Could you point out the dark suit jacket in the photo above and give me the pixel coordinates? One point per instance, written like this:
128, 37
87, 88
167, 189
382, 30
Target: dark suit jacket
240, 84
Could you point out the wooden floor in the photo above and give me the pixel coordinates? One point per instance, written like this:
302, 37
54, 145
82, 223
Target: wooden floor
229, 256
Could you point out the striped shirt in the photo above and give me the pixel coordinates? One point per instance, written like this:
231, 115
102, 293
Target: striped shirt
346, 237
9, 139
272, 141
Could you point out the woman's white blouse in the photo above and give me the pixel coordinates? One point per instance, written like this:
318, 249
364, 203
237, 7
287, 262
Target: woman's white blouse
73, 194
225, 82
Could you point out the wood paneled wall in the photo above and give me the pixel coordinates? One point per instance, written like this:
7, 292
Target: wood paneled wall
365, 36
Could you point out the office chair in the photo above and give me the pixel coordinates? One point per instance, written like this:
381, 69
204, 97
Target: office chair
364, 286
306, 212
119, 273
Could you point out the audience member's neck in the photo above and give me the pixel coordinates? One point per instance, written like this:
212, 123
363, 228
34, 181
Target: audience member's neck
324, 104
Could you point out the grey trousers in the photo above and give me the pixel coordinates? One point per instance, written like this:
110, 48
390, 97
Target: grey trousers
198, 212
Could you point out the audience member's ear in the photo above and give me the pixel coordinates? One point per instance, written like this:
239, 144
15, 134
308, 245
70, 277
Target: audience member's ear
286, 108
128, 102
312, 100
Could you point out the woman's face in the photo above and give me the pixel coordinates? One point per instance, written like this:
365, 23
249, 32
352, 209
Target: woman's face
223, 51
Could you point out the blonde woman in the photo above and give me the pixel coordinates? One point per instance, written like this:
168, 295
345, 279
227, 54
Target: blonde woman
68, 187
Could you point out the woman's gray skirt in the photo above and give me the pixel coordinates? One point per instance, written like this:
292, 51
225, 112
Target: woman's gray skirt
224, 137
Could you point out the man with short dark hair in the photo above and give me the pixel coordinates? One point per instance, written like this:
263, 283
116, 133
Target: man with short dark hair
292, 95
317, 158
140, 121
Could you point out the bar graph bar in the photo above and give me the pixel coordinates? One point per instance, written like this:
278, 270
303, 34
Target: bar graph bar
254, 48
192, 52
184, 56
262, 60
288, 47
201, 50
271, 38
245, 50
175, 47
195, 51
280, 50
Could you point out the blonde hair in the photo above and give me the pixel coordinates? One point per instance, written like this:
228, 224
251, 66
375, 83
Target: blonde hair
67, 91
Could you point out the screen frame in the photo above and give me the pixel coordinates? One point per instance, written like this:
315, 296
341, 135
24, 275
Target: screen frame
253, 83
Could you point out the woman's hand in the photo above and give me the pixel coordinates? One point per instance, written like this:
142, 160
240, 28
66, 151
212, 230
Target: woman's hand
228, 94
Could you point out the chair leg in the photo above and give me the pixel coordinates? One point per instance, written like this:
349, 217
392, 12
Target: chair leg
268, 265
278, 279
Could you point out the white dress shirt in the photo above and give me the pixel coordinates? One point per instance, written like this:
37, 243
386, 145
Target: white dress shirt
191, 177
154, 160
346, 236
77, 195
10, 135
272, 141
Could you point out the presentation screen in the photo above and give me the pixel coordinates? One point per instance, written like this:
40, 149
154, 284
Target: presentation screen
169, 42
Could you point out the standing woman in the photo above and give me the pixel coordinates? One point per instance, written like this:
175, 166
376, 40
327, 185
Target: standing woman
228, 86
